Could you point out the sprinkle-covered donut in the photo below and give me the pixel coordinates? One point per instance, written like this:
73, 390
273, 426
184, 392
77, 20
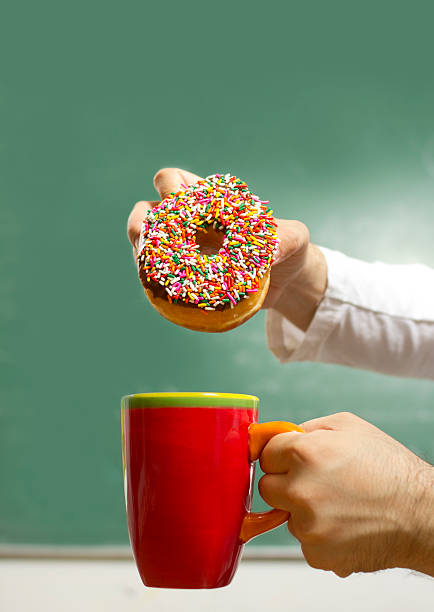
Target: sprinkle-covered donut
173, 258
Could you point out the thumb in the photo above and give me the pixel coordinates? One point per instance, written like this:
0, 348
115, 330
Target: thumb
168, 180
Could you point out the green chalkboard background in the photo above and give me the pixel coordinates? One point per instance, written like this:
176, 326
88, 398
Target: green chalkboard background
325, 108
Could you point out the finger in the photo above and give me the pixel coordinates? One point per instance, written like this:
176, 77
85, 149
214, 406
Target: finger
170, 180
277, 456
293, 238
135, 222
273, 488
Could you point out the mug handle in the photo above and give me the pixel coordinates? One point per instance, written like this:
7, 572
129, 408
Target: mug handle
255, 523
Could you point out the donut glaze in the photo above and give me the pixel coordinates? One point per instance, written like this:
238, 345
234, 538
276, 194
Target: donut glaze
205, 253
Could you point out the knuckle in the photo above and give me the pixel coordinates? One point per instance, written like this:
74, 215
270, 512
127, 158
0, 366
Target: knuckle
346, 415
343, 418
303, 232
308, 527
311, 526
299, 234
162, 173
297, 440
303, 530
303, 448
274, 456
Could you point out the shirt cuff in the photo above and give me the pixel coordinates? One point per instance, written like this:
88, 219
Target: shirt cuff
289, 343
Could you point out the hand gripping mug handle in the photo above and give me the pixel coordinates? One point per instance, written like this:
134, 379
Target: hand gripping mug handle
255, 523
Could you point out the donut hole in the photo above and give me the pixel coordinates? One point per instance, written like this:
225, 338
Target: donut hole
210, 240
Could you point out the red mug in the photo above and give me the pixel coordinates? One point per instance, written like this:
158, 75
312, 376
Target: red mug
188, 466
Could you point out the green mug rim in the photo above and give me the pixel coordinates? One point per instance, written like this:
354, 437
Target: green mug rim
193, 399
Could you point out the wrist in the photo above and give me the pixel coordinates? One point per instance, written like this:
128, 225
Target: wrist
303, 294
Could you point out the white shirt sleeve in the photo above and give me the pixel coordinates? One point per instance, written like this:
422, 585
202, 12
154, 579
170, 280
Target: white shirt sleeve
373, 316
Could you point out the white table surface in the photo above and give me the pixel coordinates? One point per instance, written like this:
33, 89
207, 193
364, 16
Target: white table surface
114, 586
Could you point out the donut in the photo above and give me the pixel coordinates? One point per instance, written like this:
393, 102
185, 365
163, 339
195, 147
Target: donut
205, 254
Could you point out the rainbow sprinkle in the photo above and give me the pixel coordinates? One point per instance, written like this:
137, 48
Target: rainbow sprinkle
170, 256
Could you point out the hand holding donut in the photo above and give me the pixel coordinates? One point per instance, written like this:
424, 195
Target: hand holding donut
166, 181
298, 275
